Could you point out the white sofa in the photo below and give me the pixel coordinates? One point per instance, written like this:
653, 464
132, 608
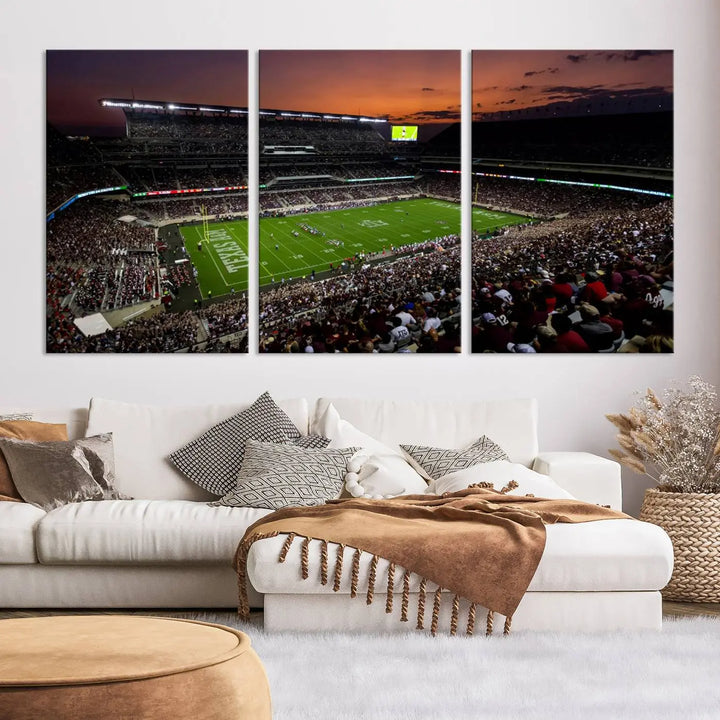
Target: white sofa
168, 549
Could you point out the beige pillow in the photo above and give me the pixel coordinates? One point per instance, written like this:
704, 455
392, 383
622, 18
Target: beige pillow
24, 430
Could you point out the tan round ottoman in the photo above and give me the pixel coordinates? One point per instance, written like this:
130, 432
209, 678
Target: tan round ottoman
122, 666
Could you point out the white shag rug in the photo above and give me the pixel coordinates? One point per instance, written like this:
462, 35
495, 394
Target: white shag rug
639, 675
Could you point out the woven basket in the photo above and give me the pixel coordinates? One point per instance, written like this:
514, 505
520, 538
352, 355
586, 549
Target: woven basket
692, 520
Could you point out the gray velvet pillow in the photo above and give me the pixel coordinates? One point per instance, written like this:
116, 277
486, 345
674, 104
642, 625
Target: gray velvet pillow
51, 474
102, 463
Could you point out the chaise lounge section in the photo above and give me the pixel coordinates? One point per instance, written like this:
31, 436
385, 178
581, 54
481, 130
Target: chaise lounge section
168, 549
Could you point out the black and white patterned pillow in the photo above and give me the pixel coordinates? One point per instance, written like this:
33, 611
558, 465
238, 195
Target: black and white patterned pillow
16, 416
275, 476
434, 463
312, 442
213, 460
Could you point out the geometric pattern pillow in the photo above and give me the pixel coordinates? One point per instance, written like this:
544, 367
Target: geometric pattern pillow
275, 476
213, 460
434, 462
16, 416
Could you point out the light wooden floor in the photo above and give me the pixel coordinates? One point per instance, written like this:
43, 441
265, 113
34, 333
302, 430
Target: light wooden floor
670, 609
681, 609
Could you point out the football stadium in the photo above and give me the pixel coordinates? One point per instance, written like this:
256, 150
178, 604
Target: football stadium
359, 244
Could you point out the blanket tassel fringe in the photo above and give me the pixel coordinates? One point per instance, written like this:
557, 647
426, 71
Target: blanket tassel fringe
244, 607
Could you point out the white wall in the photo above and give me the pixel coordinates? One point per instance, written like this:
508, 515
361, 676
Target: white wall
574, 392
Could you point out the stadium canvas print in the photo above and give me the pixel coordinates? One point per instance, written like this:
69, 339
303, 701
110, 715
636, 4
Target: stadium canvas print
359, 234
572, 210
147, 234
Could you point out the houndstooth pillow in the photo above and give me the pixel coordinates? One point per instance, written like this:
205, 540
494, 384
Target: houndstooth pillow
16, 416
276, 476
213, 460
433, 463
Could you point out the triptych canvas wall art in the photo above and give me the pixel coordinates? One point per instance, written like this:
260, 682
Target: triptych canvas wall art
358, 244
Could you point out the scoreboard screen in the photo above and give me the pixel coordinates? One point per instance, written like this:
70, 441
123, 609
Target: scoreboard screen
405, 133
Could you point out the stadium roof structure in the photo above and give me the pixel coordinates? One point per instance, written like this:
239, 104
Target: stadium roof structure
303, 115
133, 105
162, 106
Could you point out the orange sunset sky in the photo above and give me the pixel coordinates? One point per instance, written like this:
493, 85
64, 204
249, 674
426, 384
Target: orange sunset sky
412, 86
567, 80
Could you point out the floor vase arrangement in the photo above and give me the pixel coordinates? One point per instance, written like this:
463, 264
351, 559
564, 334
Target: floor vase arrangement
674, 439
692, 520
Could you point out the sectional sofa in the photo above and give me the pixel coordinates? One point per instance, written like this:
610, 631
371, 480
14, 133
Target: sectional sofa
167, 548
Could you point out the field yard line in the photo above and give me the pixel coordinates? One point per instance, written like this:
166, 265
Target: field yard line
212, 257
287, 267
314, 244
415, 217
296, 270
299, 242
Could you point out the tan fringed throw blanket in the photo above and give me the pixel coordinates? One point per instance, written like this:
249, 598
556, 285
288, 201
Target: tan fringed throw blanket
477, 543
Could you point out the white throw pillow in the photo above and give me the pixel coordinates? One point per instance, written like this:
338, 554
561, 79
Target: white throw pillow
500, 473
376, 470
382, 476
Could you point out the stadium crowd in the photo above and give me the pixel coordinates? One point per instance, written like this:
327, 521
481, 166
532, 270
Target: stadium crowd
408, 304
592, 283
545, 200
221, 327
326, 137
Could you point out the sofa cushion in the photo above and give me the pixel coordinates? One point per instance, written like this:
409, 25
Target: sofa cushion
144, 435
24, 430
50, 474
603, 555
434, 462
276, 475
501, 474
512, 424
213, 460
17, 532
142, 531
377, 470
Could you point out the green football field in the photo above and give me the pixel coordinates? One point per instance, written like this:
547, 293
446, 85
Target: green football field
294, 246
222, 264
487, 221
332, 236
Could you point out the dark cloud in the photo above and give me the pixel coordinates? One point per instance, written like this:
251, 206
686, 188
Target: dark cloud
486, 88
606, 101
632, 55
519, 88
576, 90
551, 70
568, 92
426, 89
507, 102
478, 104
433, 115
577, 58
